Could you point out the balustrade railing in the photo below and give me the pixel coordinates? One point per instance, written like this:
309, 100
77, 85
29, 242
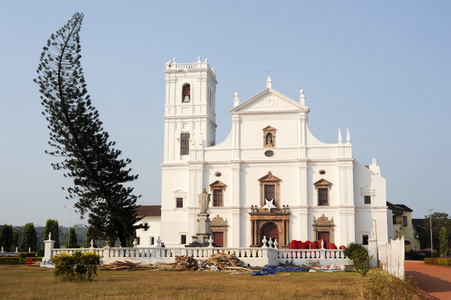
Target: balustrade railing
255, 256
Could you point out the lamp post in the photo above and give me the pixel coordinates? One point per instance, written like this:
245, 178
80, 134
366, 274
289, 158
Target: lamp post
430, 228
70, 222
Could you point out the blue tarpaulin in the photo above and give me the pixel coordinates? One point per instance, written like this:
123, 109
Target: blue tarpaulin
272, 270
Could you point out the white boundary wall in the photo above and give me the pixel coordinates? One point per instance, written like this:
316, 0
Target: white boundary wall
391, 258
252, 256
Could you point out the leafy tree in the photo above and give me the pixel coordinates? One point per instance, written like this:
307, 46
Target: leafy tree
71, 239
15, 241
7, 237
444, 243
439, 220
52, 226
29, 238
90, 235
77, 136
359, 256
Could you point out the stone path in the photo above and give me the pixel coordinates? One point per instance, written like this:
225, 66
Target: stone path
435, 280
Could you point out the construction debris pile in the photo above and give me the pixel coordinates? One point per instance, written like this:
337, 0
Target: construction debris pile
184, 262
218, 261
125, 265
222, 261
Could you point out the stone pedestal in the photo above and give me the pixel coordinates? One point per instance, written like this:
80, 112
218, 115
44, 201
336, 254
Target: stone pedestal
203, 224
203, 231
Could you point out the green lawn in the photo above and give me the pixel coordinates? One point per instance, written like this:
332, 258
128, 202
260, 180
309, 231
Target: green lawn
21, 282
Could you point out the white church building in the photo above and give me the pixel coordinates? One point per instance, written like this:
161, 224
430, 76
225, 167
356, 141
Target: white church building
270, 177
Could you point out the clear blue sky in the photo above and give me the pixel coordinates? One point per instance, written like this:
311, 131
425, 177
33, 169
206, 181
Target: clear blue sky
380, 68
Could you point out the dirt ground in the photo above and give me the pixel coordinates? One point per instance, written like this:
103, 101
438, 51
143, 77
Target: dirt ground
435, 280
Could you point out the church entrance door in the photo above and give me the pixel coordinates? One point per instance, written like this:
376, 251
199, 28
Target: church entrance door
324, 235
270, 231
218, 238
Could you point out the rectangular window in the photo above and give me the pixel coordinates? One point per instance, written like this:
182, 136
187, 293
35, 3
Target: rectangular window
323, 197
394, 219
152, 240
138, 241
184, 143
179, 202
404, 220
183, 239
217, 197
367, 199
270, 192
365, 239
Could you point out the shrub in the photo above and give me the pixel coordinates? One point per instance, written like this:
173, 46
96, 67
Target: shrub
79, 265
385, 286
441, 261
27, 254
359, 256
15, 260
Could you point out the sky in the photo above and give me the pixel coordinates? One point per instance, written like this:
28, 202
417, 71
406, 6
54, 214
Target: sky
380, 68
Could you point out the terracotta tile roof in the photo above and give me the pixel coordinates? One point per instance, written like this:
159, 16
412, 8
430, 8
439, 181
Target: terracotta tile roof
149, 211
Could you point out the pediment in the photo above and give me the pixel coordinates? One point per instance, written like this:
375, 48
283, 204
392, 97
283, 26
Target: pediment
268, 101
218, 184
322, 183
269, 178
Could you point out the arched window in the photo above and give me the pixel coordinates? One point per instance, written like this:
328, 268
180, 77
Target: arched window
186, 93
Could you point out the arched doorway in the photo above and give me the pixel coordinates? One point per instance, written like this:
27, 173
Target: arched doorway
270, 231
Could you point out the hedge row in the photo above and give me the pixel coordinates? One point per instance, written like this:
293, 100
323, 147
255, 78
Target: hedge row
16, 260
440, 261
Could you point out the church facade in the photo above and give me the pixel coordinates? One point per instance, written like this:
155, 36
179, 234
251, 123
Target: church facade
270, 177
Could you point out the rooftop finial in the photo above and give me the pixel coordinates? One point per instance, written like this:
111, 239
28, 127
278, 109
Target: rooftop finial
269, 81
340, 139
302, 97
348, 136
236, 101
198, 59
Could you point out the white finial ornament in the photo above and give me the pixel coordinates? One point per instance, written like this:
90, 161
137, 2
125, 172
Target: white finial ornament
198, 59
236, 101
348, 136
269, 81
302, 97
340, 139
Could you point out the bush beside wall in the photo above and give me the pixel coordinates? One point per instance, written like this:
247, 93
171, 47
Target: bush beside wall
16, 260
439, 261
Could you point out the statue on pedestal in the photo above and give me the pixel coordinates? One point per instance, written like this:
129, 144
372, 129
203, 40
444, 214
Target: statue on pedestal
203, 221
204, 201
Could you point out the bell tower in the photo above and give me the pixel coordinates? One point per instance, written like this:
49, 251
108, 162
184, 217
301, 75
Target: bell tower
189, 117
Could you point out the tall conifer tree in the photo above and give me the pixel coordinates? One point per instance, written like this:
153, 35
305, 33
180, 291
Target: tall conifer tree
7, 237
53, 227
77, 136
29, 238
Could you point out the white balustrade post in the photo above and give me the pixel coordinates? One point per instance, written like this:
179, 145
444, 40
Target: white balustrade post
48, 249
106, 251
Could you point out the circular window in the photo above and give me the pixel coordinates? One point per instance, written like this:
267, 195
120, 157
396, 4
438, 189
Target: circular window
322, 172
269, 153
218, 174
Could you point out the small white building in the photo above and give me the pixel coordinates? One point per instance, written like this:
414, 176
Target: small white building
270, 177
151, 220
